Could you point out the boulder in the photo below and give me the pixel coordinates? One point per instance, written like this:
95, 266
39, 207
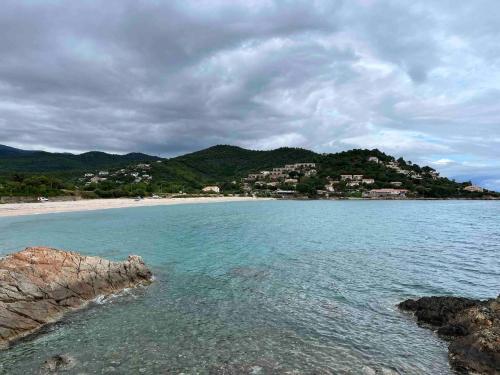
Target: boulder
39, 285
472, 326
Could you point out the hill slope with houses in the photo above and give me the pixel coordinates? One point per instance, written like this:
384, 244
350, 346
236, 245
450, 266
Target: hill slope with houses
284, 172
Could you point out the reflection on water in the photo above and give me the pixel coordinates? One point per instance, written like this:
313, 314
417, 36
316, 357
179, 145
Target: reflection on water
266, 287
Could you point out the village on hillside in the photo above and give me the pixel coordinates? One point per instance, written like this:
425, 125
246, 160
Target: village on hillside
287, 182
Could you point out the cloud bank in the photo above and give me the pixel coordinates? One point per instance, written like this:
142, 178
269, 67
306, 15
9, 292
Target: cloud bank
416, 79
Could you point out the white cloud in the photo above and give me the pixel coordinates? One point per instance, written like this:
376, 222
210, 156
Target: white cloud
420, 79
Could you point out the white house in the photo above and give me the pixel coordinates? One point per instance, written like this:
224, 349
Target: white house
474, 189
211, 189
368, 181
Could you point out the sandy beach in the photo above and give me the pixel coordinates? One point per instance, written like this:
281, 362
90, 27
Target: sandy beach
20, 209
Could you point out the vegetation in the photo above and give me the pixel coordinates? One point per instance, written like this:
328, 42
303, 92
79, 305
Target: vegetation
36, 173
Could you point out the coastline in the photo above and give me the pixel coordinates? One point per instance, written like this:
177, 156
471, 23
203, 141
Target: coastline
23, 209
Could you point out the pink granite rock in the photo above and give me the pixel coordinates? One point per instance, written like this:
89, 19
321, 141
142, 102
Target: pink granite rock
39, 285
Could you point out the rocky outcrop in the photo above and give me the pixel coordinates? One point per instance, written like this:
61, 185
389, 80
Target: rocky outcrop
39, 285
472, 326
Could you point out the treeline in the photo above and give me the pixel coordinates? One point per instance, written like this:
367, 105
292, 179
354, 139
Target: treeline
33, 185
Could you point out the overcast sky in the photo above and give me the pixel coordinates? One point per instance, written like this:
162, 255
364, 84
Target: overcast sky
418, 79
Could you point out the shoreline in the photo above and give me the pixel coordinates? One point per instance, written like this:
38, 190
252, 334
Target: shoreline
80, 205
25, 209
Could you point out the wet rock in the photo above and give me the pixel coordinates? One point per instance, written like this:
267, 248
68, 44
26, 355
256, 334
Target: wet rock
58, 362
39, 285
472, 326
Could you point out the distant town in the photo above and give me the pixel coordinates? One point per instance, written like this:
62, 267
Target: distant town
284, 181
284, 173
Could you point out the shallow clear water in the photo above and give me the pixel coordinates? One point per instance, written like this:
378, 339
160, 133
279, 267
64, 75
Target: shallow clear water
305, 286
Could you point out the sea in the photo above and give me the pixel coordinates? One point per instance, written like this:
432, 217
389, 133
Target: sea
265, 287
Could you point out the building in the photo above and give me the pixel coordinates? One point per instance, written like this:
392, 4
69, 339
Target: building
103, 173
386, 193
373, 159
310, 172
368, 181
344, 177
89, 175
143, 166
211, 189
284, 193
304, 165
357, 177
292, 181
96, 179
353, 183
474, 189
329, 188
396, 183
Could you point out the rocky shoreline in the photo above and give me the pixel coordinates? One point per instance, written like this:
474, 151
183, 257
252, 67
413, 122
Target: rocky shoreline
39, 285
471, 326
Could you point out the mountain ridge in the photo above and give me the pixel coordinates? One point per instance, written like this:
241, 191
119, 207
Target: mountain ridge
100, 174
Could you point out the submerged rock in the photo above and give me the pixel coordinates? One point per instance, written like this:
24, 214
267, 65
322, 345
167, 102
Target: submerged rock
39, 285
58, 362
472, 326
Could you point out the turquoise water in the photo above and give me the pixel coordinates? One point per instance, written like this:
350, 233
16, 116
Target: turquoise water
309, 286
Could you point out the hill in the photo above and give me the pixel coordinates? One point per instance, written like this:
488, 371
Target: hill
13, 160
224, 162
233, 169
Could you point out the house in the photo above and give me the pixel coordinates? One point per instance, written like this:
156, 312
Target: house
89, 175
280, 170
386, 193
291, 181
344, 177
396, 183
310, 172
272, 184
373, 159
284, 193
368, 181
353, 183
474, 189
103, 173
329, 188
304, 165
97, 179
143, 166
357, 177
253, 177
211, 189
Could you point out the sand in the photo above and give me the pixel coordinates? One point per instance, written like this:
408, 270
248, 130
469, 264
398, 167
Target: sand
20, 209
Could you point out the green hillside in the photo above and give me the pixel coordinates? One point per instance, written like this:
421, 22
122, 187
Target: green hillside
13, 160
31, 173
223, 162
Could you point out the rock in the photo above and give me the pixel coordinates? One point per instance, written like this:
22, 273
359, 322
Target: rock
59, 362
39, 285
472, 326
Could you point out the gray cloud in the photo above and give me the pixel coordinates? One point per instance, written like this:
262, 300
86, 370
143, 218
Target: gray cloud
419, 79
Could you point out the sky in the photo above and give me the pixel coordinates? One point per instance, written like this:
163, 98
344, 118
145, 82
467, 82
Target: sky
418, 79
